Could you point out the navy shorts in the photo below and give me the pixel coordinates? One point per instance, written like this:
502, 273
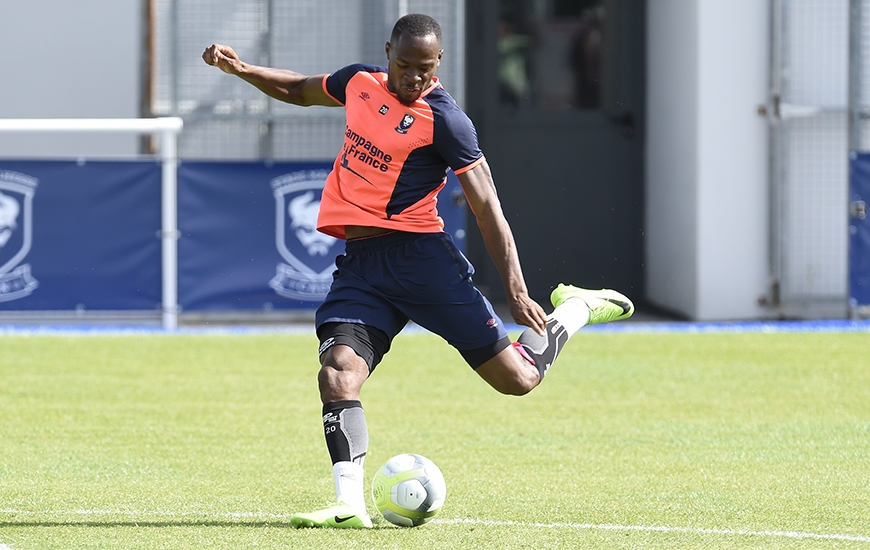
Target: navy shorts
386, 280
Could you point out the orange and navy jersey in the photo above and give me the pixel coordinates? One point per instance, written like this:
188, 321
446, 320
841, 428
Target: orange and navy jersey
395, 157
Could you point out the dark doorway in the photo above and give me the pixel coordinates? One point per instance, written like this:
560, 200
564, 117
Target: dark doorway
556, 90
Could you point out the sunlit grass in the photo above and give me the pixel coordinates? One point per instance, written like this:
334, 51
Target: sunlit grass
211, 441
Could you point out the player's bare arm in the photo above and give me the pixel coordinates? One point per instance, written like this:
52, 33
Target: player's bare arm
481, 194
281, 84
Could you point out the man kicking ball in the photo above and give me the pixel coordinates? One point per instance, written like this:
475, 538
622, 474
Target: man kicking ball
403, 133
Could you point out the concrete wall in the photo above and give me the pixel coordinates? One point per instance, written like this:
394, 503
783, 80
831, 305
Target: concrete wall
707, 158
77, 59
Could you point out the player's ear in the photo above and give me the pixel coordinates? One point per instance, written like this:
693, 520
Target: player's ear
387, 50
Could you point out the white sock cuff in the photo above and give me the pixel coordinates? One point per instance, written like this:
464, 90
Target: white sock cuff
573, 314
350, 484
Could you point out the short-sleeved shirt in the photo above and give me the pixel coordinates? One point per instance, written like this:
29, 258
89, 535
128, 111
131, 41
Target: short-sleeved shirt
395, 157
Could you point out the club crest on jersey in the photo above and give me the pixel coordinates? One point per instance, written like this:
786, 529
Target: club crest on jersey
16, 234
406, 123
309, 254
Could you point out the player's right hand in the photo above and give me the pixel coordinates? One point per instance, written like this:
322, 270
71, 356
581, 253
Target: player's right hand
222, 57
528, 312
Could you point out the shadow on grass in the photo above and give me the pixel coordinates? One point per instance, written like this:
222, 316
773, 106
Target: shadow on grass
190, 523
275, 524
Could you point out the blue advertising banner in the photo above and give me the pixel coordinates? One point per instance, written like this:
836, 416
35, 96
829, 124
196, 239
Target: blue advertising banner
85, 236
249, 239
859, 230
79, 235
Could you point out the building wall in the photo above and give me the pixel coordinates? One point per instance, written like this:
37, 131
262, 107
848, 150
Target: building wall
707, 158
672, 156
70, 60
733, 180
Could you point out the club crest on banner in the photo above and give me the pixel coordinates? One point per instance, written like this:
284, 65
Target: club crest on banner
16, 234
310, 255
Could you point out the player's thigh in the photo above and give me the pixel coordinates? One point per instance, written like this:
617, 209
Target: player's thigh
438, 294
352, 299
351, 346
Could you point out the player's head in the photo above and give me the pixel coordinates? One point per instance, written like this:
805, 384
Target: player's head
416, 24
414, 53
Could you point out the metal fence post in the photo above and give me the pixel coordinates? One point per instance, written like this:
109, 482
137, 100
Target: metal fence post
169, 233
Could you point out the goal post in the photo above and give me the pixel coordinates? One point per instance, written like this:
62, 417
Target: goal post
168, 129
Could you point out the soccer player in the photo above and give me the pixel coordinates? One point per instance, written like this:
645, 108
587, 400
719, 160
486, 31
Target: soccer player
403, 132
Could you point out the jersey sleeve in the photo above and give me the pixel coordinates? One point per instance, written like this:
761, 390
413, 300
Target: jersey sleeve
456, 140
336, 84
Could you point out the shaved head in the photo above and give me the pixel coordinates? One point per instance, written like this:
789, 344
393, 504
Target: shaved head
417, 25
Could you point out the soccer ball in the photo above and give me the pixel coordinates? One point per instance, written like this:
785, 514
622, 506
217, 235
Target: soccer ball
409, 489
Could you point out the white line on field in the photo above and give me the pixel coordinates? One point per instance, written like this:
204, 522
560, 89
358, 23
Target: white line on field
659, 529
483, 522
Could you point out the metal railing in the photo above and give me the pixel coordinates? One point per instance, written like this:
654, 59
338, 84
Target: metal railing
168, 129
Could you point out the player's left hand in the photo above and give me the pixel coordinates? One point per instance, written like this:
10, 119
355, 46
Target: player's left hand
529, 313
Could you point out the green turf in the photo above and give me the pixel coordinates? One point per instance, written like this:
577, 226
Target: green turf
739, 440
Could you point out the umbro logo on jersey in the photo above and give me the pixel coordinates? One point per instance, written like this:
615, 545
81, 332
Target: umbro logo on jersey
406, 123
365, 96
384, 109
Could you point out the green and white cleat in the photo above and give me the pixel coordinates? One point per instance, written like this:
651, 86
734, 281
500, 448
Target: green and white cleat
604, 305
339, 516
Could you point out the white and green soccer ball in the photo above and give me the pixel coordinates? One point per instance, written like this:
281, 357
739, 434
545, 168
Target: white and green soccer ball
409, 490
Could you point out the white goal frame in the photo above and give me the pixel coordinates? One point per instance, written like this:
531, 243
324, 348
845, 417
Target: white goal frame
168, 129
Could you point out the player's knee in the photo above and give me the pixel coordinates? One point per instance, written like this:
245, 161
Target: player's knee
523, 388
509, 374
517, 385
337, 385
339, 357
342, 374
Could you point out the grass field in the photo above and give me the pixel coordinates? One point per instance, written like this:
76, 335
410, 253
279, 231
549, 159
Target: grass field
635, 440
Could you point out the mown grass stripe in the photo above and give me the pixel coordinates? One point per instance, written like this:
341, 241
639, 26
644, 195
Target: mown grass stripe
661, 529
466, 521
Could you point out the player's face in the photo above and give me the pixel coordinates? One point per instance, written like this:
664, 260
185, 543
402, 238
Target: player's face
412, 64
